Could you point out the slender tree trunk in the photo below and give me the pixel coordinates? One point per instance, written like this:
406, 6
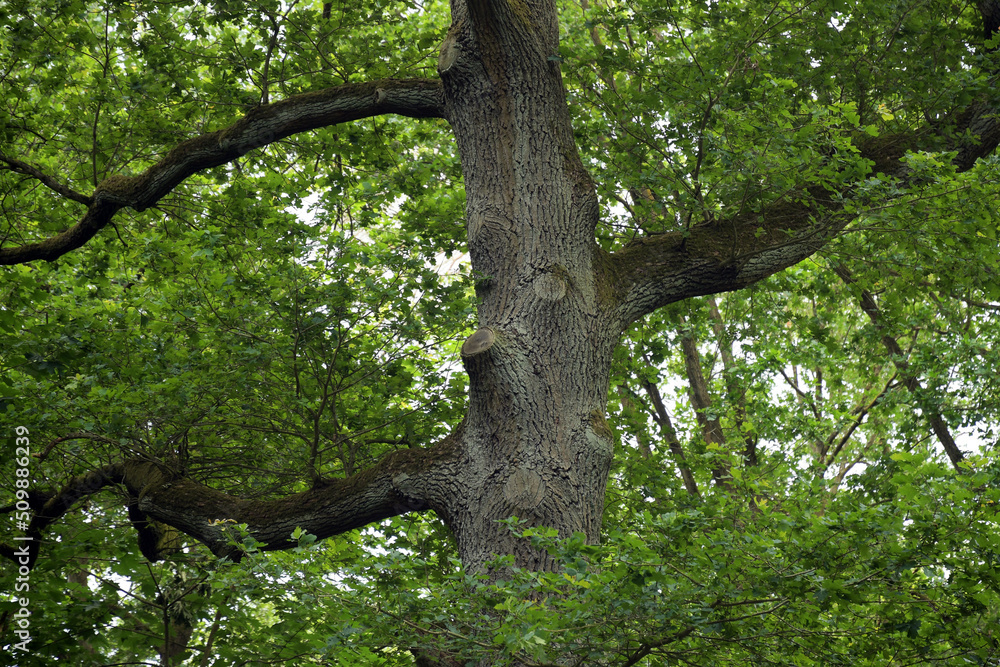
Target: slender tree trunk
909, 378
711, 427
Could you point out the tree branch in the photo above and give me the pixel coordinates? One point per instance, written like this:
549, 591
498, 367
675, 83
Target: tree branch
46, 180
49, 507
701, 401
339, 506
898, 357
722, 256
737, 394
662, 419
402, 481
750, 246
732, 253
416, 98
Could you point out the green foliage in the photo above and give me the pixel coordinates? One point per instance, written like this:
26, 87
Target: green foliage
883, 574
282, 321
697, 109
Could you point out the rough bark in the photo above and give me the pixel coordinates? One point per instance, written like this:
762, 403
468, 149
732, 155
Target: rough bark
401, 482
536, 443
723, 255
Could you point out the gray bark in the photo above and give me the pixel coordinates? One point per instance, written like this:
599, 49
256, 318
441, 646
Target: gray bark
535, 443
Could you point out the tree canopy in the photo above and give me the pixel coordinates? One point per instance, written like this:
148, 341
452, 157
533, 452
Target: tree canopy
500, 332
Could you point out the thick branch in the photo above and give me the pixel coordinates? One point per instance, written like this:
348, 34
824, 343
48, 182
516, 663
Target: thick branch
722, 256
416, 98
403, 481
747, 247
750, 246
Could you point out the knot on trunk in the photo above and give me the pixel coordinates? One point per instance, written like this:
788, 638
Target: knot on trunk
550, 287
524, 489
478, 342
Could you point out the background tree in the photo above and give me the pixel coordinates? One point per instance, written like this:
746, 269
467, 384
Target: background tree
240, 341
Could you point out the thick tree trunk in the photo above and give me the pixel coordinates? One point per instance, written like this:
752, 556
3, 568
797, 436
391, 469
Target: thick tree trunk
535, 444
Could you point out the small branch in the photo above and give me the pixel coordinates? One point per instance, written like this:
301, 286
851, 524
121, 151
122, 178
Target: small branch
41, 456
981, 304
272, 44
860, 413
662, 419
636, 657
46, 180
207, 651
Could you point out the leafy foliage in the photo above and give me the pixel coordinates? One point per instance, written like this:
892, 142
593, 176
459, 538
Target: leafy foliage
779, 494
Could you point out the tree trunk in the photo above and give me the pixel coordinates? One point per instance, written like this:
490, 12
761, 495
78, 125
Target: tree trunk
535, 443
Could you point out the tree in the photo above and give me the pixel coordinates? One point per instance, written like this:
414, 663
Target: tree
245, 376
